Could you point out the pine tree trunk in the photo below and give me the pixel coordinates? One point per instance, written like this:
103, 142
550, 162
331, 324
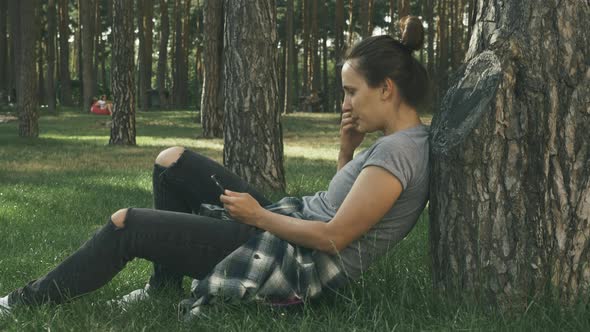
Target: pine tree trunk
253, 138
404, 8
314, 67
290, 54
145, 11
339, 48
65, 88
212, 94
40, 76
51, 32
15, 63
350, 23
510, 180
27, 94
305, 40
122, 74
3, 52
87, 9
163, 53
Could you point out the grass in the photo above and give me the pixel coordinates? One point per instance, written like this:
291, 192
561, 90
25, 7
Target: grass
56, 190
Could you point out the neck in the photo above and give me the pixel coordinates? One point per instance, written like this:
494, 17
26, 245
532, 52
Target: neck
404, 118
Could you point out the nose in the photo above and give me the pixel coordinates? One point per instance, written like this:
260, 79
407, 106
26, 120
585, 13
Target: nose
346, 106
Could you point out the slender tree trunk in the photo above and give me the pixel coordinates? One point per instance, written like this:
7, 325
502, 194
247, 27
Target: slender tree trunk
430, 45
78, 50
146, 12
253, 140
64, 54
122, 77
40, 76
305, 39
3, 52
290, 54
350, 23
212, 94
325, 91
339, 48
88, 31
186, 46
392, 24
443, 55
27, 94
510, 180
163, 53
404, 8
365, 18
315, 73
51, 31
15, 49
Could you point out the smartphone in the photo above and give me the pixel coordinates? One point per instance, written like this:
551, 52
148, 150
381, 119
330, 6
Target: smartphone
217, 183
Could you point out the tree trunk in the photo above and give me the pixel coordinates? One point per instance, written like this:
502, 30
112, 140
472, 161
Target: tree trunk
27, 94
290, 54
253, 136
87, 18
305, 40
350, 23
146, 13
64, 54
3, 52
211, 96
163, 53
339, 48
392, 23
40, 62
51, 32
315, 74
326, 92
122, 74
510, 180
365, 18
430, 33
15, 49
404, 8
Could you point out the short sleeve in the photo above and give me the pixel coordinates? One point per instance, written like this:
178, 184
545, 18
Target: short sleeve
396, 155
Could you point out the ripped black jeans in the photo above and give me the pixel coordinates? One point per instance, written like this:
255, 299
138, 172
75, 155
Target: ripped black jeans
175, 239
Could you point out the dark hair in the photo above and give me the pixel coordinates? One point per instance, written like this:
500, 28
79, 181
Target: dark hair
381, 57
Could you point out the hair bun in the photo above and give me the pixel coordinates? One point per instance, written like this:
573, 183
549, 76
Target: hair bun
412, 32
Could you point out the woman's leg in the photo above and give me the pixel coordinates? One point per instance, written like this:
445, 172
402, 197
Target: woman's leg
181, 183
186, 244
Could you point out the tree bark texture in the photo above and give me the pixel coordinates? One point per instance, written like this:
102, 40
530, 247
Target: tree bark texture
163, 53
122, 77
65, 90
252, 132
27, 93
339, 48
211, 95
51, 32
15, 63
87, 18
510, 181
290, 54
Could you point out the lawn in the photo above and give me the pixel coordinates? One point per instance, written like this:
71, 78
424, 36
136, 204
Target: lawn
56, 190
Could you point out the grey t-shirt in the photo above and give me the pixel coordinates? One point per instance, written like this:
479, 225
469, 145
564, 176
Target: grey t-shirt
405, 155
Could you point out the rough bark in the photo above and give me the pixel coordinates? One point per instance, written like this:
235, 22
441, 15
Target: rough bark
51, 32
510, 181
211, 96
65, 90
87, 20
253, 138
122, 77
163, 53
27, 95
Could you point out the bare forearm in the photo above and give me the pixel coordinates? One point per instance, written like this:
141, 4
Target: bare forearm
307, 233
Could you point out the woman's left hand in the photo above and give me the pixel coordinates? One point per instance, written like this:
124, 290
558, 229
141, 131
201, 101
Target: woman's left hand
242, 207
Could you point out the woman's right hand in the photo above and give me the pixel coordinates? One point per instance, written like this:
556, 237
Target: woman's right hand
350, 137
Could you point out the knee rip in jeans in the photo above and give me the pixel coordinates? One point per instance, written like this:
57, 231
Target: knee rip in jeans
168, 157
118, 218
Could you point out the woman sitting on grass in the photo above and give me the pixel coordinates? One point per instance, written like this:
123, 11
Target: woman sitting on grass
288, 251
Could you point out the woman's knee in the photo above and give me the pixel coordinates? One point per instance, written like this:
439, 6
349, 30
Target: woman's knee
169, 156
118, 218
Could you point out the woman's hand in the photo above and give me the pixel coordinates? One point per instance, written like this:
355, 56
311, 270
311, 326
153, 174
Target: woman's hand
350, 137
242, 207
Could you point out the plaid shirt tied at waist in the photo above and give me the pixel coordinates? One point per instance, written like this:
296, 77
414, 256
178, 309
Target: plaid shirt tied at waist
265, 268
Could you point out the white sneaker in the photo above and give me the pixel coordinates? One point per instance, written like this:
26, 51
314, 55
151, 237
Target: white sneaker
133, 297
4, 307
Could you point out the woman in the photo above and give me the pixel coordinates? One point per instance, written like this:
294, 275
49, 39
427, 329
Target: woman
293, 249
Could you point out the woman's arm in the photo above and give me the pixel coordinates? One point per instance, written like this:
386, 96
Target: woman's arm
372, 195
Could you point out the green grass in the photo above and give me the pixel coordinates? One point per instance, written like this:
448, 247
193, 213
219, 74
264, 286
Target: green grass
56, 190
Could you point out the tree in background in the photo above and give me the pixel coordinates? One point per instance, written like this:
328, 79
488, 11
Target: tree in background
510, 190
51, 32
146, 25
65, 91
123, 78
211, 96
87, 29
4, 82
26, 88
253, 143
163, 53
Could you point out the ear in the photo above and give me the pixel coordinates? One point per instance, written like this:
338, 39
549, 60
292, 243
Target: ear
388, 89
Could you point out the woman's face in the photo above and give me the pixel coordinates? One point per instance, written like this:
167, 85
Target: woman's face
365, 103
